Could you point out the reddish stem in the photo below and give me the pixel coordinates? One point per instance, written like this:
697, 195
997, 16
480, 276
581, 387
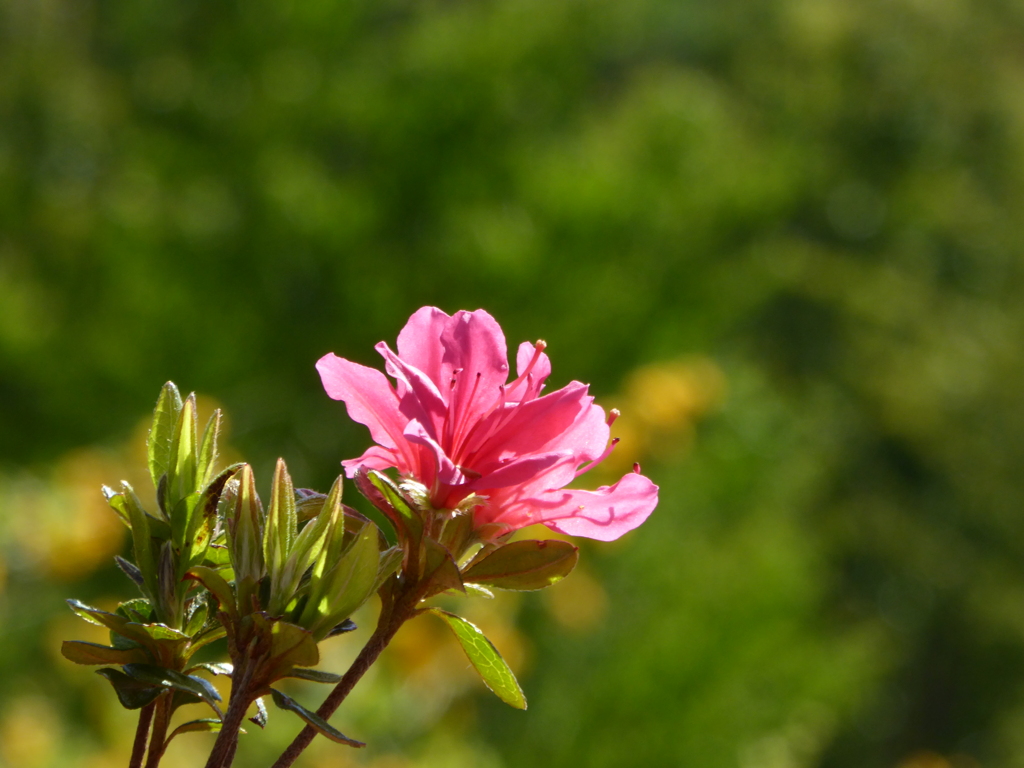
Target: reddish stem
391, 620
227, 740
161, 719
223, 753
141, 735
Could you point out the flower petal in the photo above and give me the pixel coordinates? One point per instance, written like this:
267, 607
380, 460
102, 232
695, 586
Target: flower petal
538, 374
474, 348
419, 344
368, 396
418, 396
555, 422
375, 458
443, 470
519, 472
604, 514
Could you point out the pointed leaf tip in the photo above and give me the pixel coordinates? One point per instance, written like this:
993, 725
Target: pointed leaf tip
158, 445
313, 720
486, 660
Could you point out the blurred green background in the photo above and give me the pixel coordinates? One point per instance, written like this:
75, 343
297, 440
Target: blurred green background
783, 236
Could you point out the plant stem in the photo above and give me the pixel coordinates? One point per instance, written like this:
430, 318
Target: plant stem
161, 719
390, 621
141, 735
224, 748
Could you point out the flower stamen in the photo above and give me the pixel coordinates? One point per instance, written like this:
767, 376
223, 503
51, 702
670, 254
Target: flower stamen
607, 452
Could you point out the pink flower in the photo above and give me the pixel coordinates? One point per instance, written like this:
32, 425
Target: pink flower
454, 423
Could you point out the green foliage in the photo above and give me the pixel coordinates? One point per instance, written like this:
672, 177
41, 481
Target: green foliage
823, 197
386, 496
132, 693
342, 580
278, 539
315, 675
313, 720
202, 725
176, 681
91, 653
524, 565
160, 445
242, 512
485, 659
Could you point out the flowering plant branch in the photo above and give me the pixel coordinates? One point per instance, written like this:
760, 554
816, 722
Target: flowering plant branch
477, 458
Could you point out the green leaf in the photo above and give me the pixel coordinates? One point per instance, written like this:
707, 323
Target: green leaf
158, 446
292, 645
123, 643
203, 725
334, 539
313, 537
181, 476
316, 675
278, 538
475, 590
214, 668
208, 449
524, 565
241, 508
138, 610
485, 659
116, 502
457, 530
209, 635
130, 570
218, 556
159, 528
197, 620
340, 629
81, 652
395, 505
203, 521
169, 607
161, 632
217, 587
313, 720
113, 622
181, 515
333, 516
132, 694
344, 587
440, 573
151, 674
95, 615
308, 503
390, 560
141, 545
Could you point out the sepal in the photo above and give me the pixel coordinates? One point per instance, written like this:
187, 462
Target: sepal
380, 491
439, 573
